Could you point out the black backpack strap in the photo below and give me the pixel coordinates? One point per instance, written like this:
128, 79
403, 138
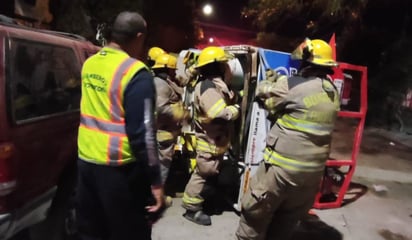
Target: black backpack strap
205, 85
295, 80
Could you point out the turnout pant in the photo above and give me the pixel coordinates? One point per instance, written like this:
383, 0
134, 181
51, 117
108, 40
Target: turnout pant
110, 202
207, 166
273, 203
166, 146
166, 151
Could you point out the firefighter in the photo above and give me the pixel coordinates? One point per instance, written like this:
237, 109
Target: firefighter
284, 187
153, 53
215, 111
170, 110
118, 167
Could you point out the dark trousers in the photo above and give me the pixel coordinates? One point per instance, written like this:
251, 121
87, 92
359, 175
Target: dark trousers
110, 202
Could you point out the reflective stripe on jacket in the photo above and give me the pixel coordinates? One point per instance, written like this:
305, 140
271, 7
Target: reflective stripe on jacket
275, 158
102, 135
163, 136
204, 146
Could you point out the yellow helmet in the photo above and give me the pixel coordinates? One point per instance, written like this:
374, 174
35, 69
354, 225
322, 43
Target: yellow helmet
212, 54
165, 61
154, 52
315, 51
322, 54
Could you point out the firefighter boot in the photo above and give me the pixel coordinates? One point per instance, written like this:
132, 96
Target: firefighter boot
198, 217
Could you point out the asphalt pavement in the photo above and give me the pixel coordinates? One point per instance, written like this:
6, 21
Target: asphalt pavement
381, 193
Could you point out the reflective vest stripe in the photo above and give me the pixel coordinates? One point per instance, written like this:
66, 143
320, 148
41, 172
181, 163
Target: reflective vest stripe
304, 126
275, 158
114, 152
101, 125
216, 108
100, 131
116, 89
202, 145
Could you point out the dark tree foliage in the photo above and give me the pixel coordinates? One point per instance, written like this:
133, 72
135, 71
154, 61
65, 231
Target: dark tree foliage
375, 33
72, 16
7, 8
170, 23
295, 20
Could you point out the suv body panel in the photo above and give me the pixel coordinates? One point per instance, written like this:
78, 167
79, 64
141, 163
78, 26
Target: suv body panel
44, 144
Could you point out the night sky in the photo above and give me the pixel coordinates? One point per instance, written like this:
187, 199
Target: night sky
226, 12
226, 25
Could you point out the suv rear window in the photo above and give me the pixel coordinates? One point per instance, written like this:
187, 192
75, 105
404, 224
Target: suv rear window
43, 79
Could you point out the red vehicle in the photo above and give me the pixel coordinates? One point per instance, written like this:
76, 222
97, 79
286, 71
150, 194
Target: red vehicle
39, 116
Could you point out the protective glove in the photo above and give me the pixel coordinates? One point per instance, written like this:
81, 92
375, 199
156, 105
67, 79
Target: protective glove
260, 102
235, 109
304, 51
190, 59
271, 75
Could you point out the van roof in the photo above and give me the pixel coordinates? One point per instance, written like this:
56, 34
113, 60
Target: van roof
9, 22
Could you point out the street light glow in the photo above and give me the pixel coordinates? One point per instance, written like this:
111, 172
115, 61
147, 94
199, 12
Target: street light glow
207, 9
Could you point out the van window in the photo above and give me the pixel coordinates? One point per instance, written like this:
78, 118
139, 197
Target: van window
44, 79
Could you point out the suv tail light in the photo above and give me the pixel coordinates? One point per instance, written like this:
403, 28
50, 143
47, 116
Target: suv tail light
7, 181
6, 150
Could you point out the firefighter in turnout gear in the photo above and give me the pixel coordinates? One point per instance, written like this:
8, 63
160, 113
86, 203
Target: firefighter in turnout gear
284, 187
215, 109
170, 110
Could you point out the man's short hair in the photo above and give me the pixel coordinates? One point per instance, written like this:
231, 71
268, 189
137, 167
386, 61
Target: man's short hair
126, 26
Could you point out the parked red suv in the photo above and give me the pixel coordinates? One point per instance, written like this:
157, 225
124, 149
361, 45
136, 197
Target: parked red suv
39, 116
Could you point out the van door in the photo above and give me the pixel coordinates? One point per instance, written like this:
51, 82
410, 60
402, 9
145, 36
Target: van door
44, 95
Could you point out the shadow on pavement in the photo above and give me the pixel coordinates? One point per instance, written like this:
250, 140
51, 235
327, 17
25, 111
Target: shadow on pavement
312, 228
354, 192
178, 176
388, 235
331, 187
376, 143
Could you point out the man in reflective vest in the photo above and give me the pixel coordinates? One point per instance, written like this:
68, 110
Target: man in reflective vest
215, 111
284, 187
118, 167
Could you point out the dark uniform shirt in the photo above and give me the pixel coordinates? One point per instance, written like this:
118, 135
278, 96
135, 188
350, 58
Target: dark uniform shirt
142, 133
